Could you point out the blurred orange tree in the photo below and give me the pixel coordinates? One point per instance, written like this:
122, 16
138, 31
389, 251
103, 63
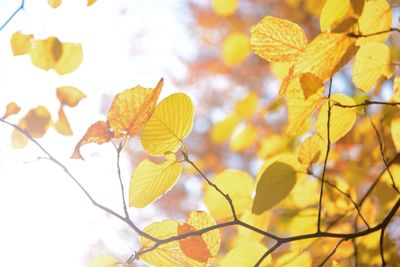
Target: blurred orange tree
326, 161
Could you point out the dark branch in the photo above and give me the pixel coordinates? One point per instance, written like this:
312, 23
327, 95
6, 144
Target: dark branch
331, 254
359, 35
21, 7
366, 103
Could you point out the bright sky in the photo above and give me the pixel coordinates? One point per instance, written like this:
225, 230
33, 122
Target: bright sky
45, 219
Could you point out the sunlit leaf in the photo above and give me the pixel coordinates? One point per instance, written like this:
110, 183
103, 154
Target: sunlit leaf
272, 145
103, 261
275, 184
54, 3
21, 43
150, 181
244, 137
376, 17
261, 221
19, 140
246, 107
326, 55
280, 69
235, 48
373, 60
295, 259
310, 149
223, 129
332, 13
46, 53
62, 124
276, 39
90, 2
170, 123
69, 95
246, 255
310, 84
237, 184
395, 130
341, 119
70, 59
132, 108
11, 109
97, 133
224, 8
37, 121
396, 88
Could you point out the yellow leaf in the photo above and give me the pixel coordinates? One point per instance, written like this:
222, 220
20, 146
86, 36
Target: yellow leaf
310, 84
395, 130
275, 184
260, 221
103, 261
131, 109
286, 158
69, 95
170, 123
235, 48
376, 17
333, 12
396, 88
314, 7
246, 255
326, 55
62, 124
295, 259
70, 59
90, 2
54, 3
310, 150
37, 121
97, 133
46, 53
280, 69
246, 107
223, 129
341, 120
21, 43
224, 8
305, 193
237, 184
150, 181
171, 254
272, 145
18, 140
373, 60
276, 39
11, 109
243, 138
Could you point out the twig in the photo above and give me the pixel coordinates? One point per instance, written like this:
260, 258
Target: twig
21, 7
119, 149
359, 35
269, 251
381, 251
332, 252
366, 103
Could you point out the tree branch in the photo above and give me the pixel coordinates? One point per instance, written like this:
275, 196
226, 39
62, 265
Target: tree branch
21, 7
359, 35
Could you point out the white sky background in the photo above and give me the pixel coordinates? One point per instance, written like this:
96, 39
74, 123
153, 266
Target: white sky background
45, 219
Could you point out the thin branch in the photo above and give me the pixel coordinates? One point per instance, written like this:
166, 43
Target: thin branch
359, 35
366, 103
328, 147
381, 149
332, 252
21, 7
75, 180
269, 251
119, 149
381, 251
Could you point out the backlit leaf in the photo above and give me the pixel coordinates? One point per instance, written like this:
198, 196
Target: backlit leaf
276, 39
260, 221
246, 255
373, 60
376, 17
396, 88
310, 150
333, 12
395, 130
90, 2
18, 140
150, 181
170, 123
235, 48
244, 137
103, 261
326, 55
69, 95
295, 259
54, 3
97, 133
132, 108
272, 145
275, 184
46, 53
11, 109
223, 129
224, 8
246, 107
70, 59
237, 184
37, 121
341, 121
310, 84
62, 124
21, 43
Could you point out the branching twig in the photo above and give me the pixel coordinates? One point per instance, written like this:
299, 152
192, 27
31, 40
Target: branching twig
118, 150
21, 7
359, 35
366, 103
332, 252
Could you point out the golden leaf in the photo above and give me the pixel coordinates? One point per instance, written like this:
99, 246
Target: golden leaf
21, 43
11, 109
235, 48
224, 8
70, 59
46, 53
69, 95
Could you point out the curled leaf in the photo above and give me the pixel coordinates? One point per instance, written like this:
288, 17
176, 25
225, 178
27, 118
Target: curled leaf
69, 95
62, 124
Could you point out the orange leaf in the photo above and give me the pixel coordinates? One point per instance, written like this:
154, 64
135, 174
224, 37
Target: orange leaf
193, 246
97, 133
36, 121
12, 108
62, 124
131, 109
69, 95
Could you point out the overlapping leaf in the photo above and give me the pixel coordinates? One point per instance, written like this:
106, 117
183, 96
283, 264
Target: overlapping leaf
150, 181
70, 59
310, 149
246, 255
21, 43
170, 123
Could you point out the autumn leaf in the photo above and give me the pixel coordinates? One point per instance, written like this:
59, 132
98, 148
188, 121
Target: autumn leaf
70, 59
396, 88
54, 3
245, 255
37, 121
98, 133
275, 184
310, 84
224, 8
45, 53
244, 137
310, 150
131, 109
170, 123
90, 2
11, 109
235, 48
103, 261
69, 95
62, 124
150, 181
276, 39
223, 129
21, 43
246, 107
395, 131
